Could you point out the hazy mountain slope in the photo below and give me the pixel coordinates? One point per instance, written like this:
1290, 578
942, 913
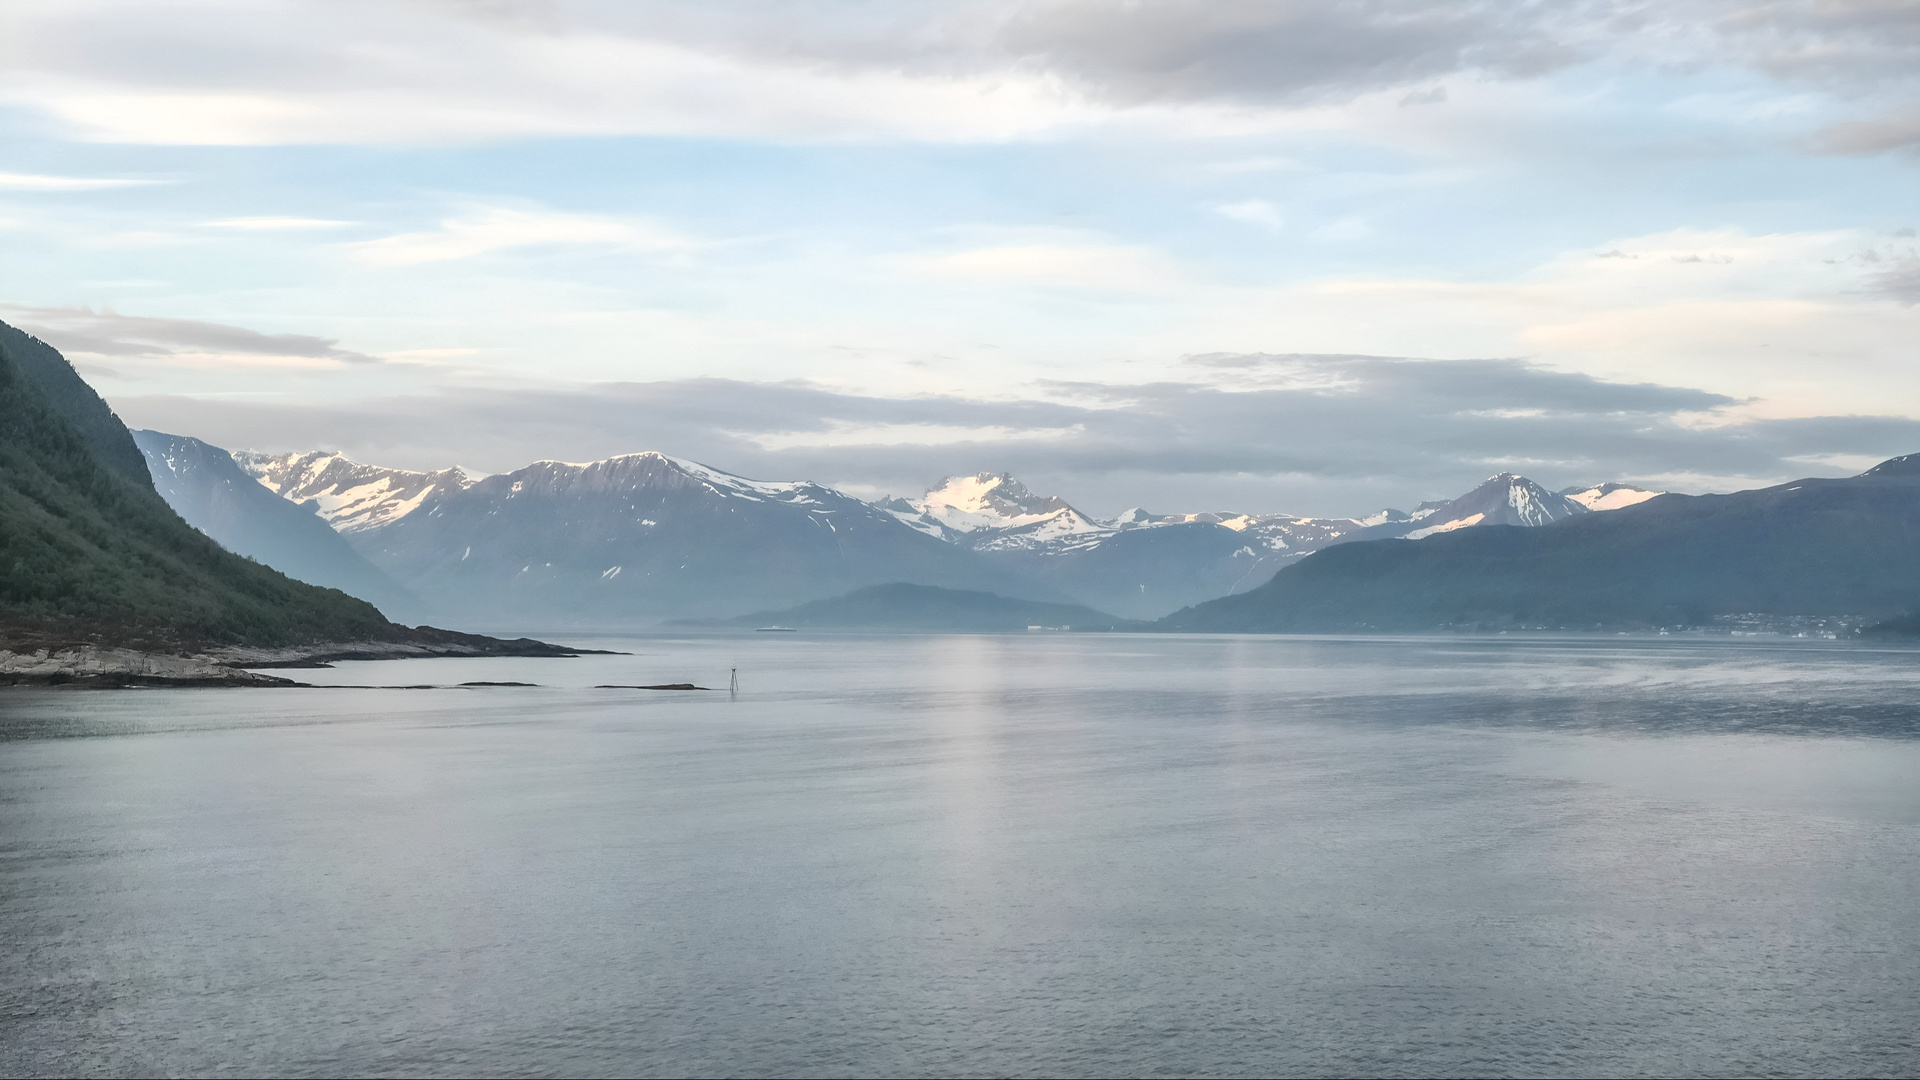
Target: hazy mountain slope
1148, 572
902, 606
1141, 565
1813, 547
645, 536
1144, 565
88, 550
1609, 496
209, 490
1157, 565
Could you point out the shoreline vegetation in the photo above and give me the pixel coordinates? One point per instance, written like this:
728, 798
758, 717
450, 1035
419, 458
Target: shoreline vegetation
103, 584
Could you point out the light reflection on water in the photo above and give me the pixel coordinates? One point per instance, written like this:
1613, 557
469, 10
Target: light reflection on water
1074, 855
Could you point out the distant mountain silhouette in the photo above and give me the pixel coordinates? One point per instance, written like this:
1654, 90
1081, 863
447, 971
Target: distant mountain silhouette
644, 537
1813, 547
1143, 565
901, 606
632, 539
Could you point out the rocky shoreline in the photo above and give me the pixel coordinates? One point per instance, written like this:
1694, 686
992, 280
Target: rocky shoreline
105, 667
108, 667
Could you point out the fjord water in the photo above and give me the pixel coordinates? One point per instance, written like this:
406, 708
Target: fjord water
980, 855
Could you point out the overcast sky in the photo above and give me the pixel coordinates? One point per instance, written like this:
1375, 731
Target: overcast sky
1239, 255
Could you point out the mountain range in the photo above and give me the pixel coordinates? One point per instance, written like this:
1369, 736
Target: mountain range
98, 541
647, 537
1143, 565
1811, 548
631, 539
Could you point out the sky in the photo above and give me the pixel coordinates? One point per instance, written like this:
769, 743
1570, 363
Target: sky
1237, 255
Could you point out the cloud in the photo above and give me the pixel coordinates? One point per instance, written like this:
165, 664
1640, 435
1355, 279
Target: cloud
1306, 434
1851, 42
490, 229
1352, 227
84, 332
292, 72
1804, 322
1106, 266
1872, 136
1899, 281
1277, 51
201, 72
39, 182
276, 224
1435, 96
1253, 211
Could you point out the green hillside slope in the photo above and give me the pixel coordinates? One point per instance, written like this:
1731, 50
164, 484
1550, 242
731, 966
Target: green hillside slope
88, 550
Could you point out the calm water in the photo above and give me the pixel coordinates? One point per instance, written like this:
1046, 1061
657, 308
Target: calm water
980, 855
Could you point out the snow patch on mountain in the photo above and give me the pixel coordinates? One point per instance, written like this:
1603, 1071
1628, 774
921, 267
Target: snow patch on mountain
350, 496
1609, 496
1503, 499
995, 512
1458, 523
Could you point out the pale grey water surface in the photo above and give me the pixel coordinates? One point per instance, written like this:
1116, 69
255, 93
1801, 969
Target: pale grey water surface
981, 855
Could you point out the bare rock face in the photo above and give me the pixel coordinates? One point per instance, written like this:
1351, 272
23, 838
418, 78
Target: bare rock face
94, 665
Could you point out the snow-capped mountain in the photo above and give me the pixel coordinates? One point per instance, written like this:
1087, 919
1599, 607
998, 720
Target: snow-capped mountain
633, 538
1813, 551
1504, 499
1142, 564
1609, 496
1275, 532
646, 536
995, 512
1138, 565
350, 496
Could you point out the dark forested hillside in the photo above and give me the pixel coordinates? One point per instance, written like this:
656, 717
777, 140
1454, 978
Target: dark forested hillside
1821, 547
89, 551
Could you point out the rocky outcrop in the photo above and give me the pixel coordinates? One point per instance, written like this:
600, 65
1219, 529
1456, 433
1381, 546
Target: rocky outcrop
105, 667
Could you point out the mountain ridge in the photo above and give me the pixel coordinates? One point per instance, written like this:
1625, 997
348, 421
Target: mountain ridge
1016, 541
210, 491
1812, 547
635, 537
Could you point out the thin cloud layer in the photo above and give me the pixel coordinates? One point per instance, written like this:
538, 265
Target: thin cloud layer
1304, 434
85, 334
489, 229
1280, 52
13, 181
289, 71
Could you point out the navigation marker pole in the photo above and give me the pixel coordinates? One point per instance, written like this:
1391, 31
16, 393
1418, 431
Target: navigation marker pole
733, 684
